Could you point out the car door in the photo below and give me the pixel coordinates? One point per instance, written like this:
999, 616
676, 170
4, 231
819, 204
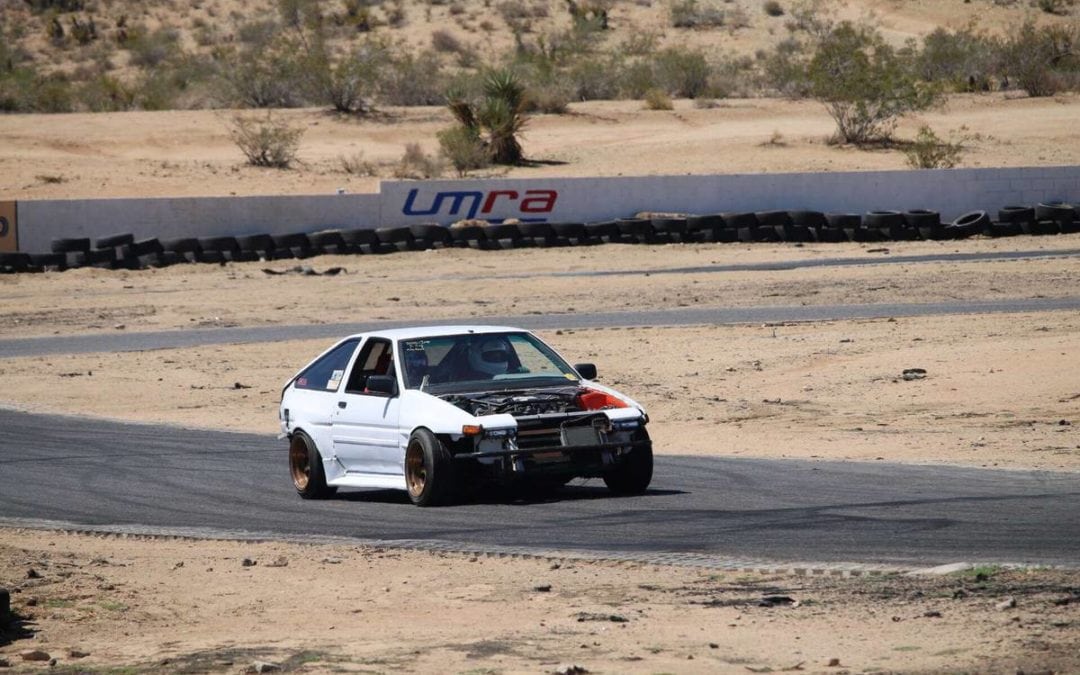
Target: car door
364, 425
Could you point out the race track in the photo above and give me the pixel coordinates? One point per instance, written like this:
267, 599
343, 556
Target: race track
94, 472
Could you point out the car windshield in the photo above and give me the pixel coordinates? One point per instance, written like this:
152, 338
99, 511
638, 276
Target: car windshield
449, 363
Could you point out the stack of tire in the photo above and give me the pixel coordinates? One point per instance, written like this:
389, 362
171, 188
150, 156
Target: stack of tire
124, 251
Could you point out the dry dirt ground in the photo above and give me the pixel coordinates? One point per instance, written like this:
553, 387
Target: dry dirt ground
178, 153
166, 606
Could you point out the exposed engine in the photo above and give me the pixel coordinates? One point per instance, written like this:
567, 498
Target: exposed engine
519, 403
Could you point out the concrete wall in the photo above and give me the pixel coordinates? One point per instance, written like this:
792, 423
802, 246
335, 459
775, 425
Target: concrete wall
42, 221
951, 192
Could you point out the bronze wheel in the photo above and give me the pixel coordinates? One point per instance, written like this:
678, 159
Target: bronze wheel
429, 470
416, 474
306, 468
299, 463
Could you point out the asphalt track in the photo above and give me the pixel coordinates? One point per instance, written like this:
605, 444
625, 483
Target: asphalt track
136, 341
93, 472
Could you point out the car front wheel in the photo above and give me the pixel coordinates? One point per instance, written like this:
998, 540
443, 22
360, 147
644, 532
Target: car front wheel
429, 470
634, 473
306, 468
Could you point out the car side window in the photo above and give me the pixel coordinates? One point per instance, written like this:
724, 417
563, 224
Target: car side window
327, 373
376, 358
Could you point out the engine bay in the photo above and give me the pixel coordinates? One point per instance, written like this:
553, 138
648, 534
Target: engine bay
520, 403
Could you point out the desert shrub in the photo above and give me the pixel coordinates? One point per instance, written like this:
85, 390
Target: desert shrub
929, 151
658, 99
463, 149
39, 6
682, 72
551, 97
356, 165
595, 79
445, 41
24, 90
773, 8
84, 32
260, 32
1057, 7
962, 59
416, 163
865, 86
784, 69
299, 14
731, 76
105, 94
636, 78
1041, 59
266, 141
149, 50
280, 75
412, 79
350, 83
696, 14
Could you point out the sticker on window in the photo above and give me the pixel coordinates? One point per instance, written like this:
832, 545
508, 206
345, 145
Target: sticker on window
416, 345
301, 382
335, 379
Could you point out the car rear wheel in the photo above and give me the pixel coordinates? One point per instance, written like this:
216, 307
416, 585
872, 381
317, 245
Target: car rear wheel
633, 475
306, 468
429, 470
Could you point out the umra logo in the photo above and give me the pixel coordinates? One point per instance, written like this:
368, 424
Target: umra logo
470, 204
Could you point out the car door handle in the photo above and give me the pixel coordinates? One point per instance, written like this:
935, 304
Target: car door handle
341, 404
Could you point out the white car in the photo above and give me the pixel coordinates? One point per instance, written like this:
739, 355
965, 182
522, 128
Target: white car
434, 410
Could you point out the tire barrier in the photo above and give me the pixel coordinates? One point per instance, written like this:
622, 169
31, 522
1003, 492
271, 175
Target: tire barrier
123, 251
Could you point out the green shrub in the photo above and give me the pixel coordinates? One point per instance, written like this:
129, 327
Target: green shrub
784, 69
149, 50
409, 79
445, 41
594, 79
105, 94
281, 75
658, 99
463, 149
1042, 60
929, 151
963, 59
350, 83
865, 86
773, 8
682, 72
266, 141
552, 98
39, 6
497, 118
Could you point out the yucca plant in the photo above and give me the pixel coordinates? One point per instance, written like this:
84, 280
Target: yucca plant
497, 118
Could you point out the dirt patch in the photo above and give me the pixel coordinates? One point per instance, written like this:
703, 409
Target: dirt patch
184, 606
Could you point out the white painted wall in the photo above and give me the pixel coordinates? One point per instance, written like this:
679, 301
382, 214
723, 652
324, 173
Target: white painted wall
168, 218
952, 192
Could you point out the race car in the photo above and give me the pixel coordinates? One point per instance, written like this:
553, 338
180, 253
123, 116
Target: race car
438, 410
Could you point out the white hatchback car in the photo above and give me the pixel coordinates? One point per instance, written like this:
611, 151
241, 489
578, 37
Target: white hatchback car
437, 409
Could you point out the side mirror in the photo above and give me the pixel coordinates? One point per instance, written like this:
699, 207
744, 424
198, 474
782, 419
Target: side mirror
586, 370
381, 384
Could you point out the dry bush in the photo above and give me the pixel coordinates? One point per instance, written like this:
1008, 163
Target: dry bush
773, 8
416, 163
356, 165
444, 41
658, 99
696, 14
412, 79
266, 141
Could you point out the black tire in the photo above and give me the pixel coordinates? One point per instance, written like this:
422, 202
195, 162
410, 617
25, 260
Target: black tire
633, 475
1016, 214
288, 241
79, 245
1042, 227
812, 219
429, 470
306, 468
575, 231
735, 220
222, 244
96, 258
15, 262
329, 242
773, 218
114, 241
606, 232
395, 235
970, 224
669, 226
926, 223
1059, 212
1006, 229
186, 245
431, 235
635, 230
498, 233
883, 220
145, 247
831, 235
57, 261
469, 235
843, 221
360, 237
258, 243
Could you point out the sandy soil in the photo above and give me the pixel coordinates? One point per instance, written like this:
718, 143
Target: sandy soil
181, 606
457, 283
179, 153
